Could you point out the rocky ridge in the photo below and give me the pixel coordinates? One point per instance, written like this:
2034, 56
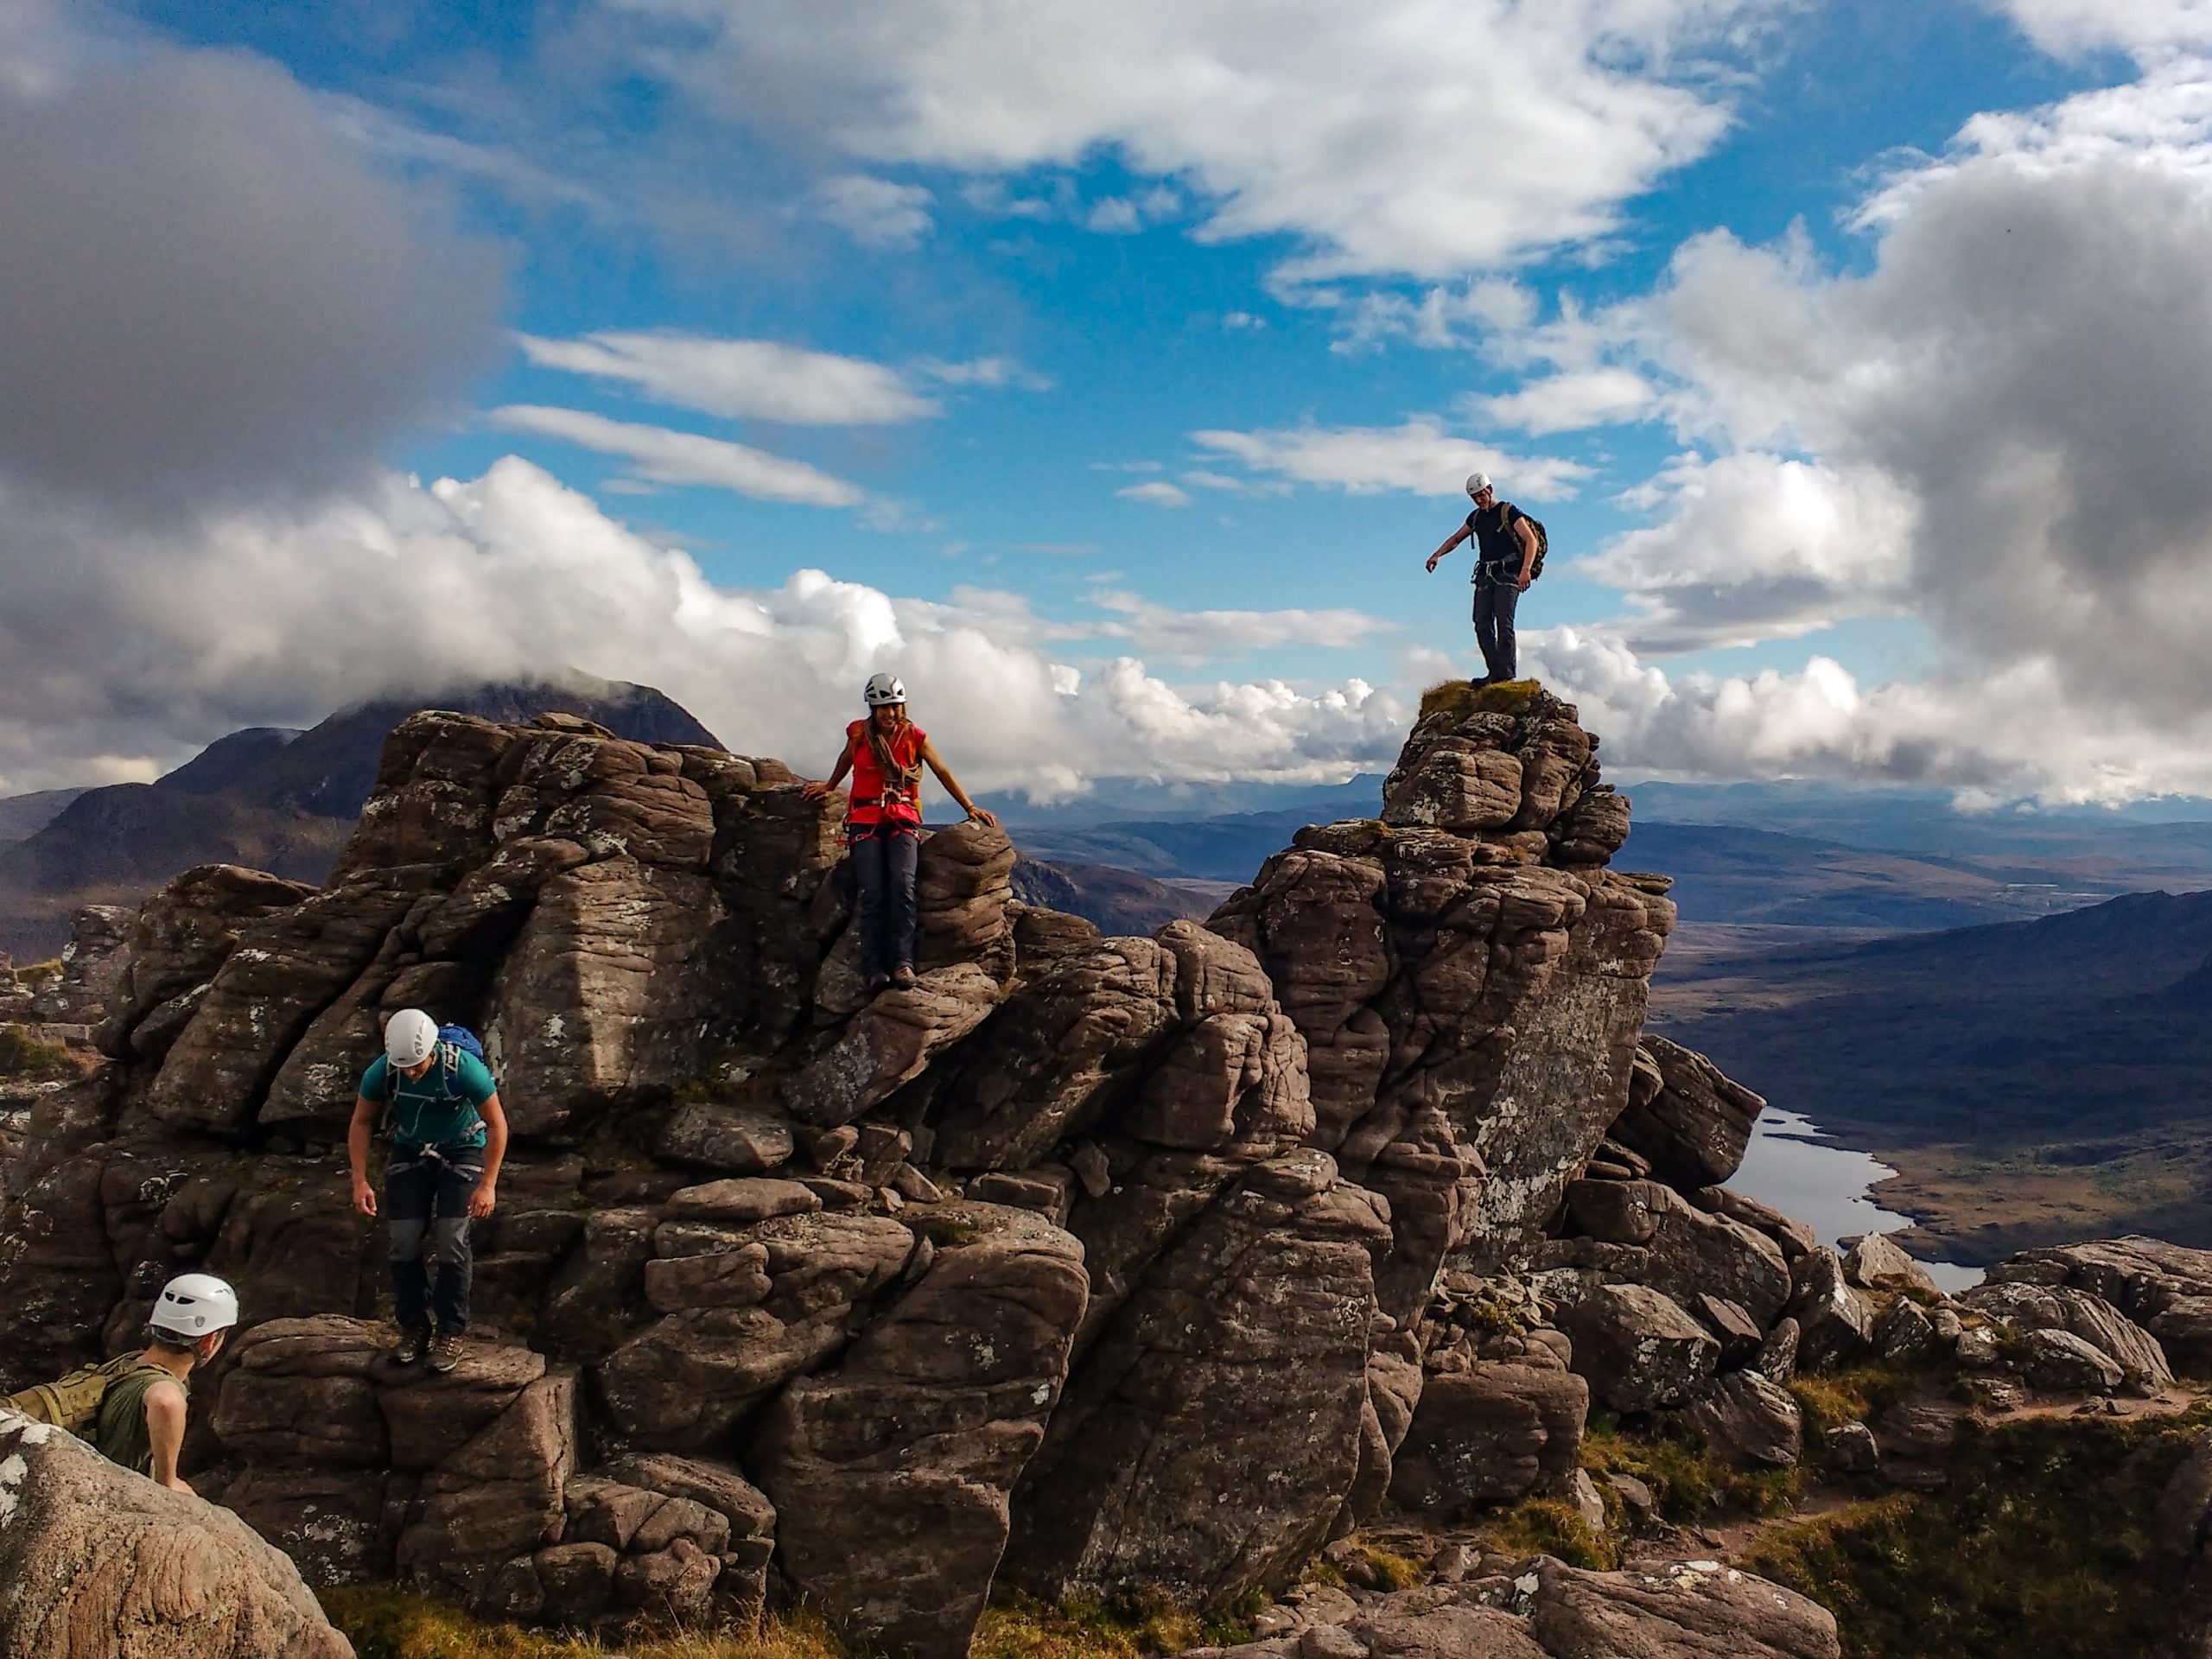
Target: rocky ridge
1088, 1262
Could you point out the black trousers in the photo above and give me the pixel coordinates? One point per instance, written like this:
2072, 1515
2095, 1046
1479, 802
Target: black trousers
426, 1194
1496, 601
883, 868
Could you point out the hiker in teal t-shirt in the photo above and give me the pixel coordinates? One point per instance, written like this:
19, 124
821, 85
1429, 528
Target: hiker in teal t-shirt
449, 1136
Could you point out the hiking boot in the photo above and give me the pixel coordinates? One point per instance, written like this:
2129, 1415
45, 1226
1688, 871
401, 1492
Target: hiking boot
876, 983
902, 977
445, 1352
410, 1348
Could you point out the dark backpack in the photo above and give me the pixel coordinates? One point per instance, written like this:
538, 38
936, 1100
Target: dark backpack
1536, 528
1543, 545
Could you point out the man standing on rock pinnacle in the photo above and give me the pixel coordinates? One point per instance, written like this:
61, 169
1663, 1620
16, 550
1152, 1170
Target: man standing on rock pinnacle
1505, 559
448, 1137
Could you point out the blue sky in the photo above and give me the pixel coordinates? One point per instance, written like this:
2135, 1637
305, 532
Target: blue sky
1116, 370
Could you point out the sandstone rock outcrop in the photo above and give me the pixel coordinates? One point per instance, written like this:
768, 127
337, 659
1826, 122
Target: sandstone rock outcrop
1088, 1261
102, 1564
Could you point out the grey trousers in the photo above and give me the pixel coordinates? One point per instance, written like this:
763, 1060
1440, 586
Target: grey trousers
1496, 602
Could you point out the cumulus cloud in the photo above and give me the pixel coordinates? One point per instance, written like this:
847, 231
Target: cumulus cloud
875, 213
2001, 736
2029, 366
275, 617
1402, 136
206, 291
663, 456
1569, 403
1419, 456
755, 380
1758, 546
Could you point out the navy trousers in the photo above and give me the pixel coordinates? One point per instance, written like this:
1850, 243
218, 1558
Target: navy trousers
1496, 601
426, 1194
883, 868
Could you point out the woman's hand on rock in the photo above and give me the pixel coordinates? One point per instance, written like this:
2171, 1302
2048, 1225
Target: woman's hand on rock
984, 816
813, 791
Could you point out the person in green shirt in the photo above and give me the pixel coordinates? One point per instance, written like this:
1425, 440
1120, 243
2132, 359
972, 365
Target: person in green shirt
142, 1413
448, 1138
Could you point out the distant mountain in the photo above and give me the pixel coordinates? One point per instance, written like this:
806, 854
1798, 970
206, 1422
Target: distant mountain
21, 815
2031, 1079
1731, 874
268, 797
1226, 848
1118, 901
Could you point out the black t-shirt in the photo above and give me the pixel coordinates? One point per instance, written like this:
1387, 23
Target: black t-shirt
1499, 548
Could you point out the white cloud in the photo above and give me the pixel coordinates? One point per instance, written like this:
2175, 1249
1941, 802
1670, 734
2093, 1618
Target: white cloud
875, 213
2006, 735
2148, 28
1158, 493
1419, 457
1569, 403
667, 457
755, 380
1758, 547
1446, 315
1403, 137
275, 618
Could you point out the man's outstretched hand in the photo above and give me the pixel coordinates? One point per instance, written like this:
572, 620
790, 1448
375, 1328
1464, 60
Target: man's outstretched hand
1432, 560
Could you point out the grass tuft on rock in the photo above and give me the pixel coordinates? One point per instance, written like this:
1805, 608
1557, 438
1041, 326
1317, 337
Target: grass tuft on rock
1460, 698
24, 1058
1548, 1526
1138, 1622
385, 1622
1688, 1483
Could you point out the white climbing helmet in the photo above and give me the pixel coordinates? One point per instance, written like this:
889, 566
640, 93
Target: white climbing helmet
411, 1038
193, 1304
883, 691
1477, 483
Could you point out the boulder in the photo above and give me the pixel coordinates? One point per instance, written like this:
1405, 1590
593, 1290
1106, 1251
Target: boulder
1751, 1422
1639, 1350
1210, 1438
101, 1563
889, 1042
891, 1475
2166, 1288
2140, 1362
2058, 1362
1687, 1116
1835, 1322
1692, 1609
1875, 1262
725, 1137
1489, 1436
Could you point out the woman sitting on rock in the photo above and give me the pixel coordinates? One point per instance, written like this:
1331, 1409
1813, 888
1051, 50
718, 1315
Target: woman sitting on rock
886, 754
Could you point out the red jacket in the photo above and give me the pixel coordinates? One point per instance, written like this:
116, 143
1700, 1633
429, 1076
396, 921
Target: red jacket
872, 803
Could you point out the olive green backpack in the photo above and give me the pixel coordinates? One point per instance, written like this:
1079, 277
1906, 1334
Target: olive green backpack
73, 1403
